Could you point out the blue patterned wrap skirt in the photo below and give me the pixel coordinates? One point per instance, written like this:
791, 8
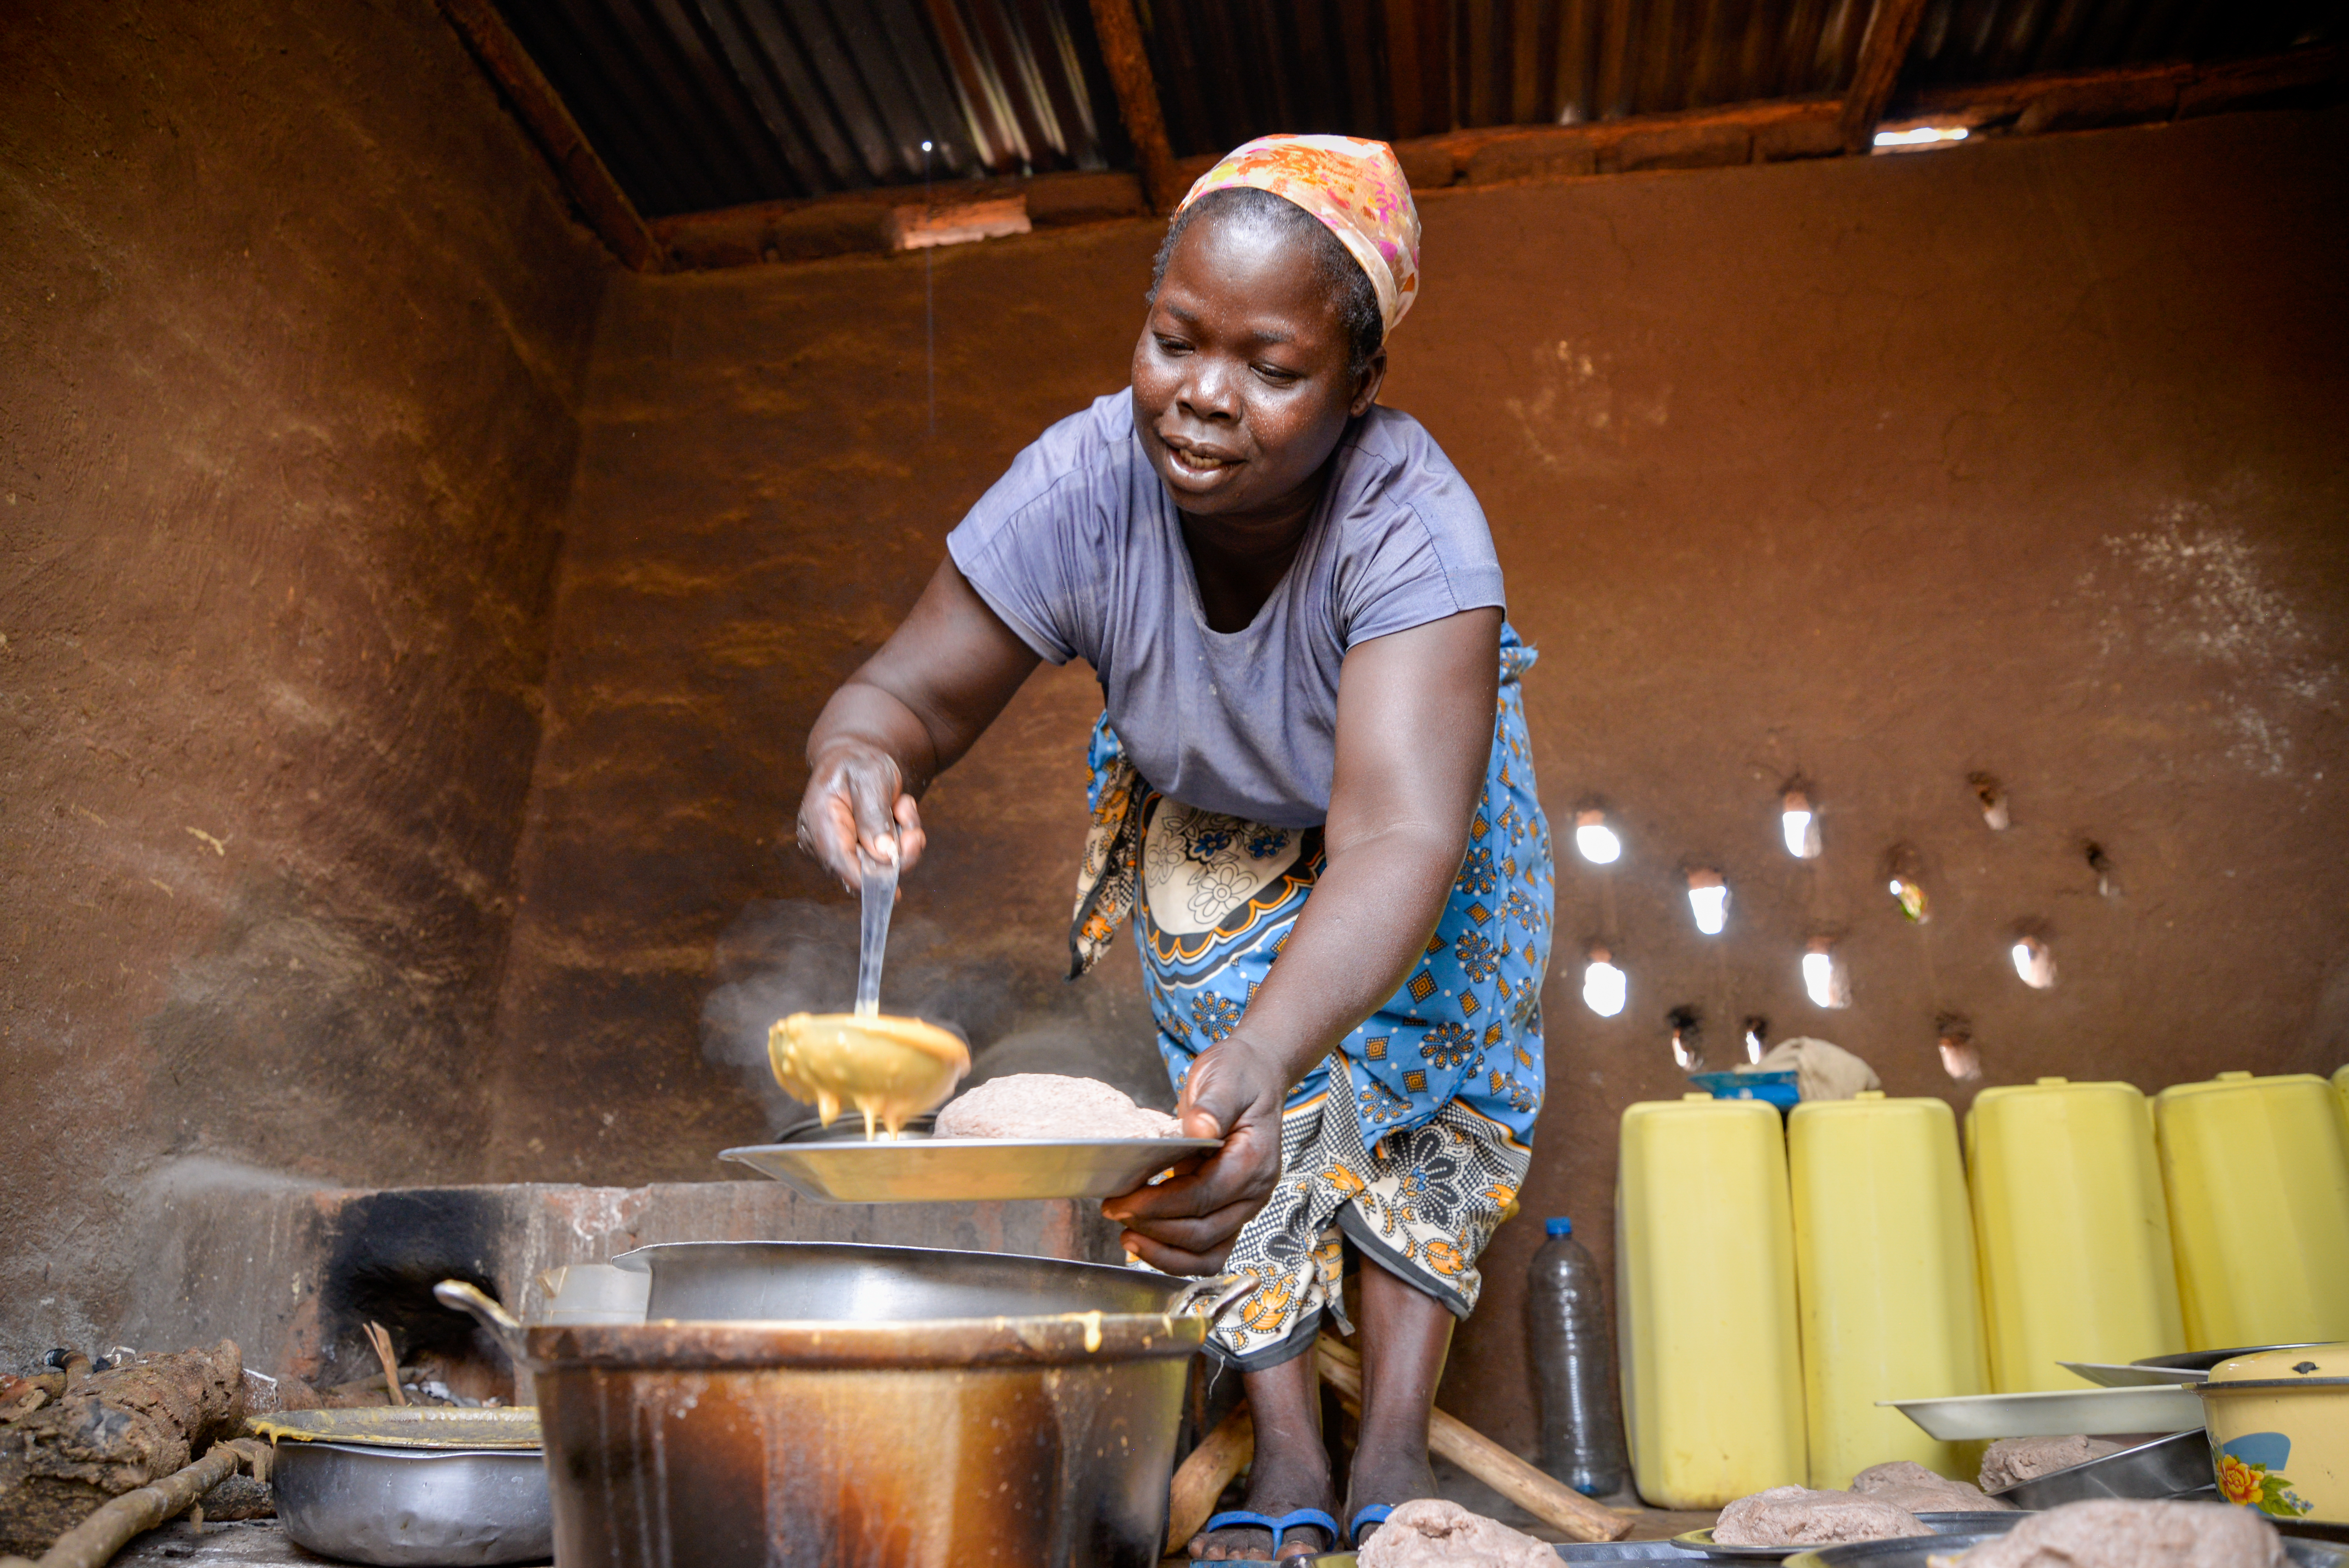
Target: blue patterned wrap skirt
1412, 1138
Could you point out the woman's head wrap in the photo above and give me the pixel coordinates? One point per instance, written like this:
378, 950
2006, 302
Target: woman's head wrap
1355, 187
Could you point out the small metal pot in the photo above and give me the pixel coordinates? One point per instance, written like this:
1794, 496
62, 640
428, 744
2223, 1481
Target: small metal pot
432, 1507
2279, 1424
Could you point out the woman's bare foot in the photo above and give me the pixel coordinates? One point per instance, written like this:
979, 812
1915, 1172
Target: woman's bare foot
1405, 1333
1389, 1473
1277, 1483
1290, 1470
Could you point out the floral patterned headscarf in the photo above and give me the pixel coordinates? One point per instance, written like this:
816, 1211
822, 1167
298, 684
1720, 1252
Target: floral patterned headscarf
1355, 187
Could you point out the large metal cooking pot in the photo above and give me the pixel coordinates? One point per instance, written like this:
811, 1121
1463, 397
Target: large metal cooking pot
916, 1409
846, 1281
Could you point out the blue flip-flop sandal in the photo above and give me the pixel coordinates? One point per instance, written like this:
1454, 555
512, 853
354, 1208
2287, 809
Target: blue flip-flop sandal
1374, 1515
1279, 1526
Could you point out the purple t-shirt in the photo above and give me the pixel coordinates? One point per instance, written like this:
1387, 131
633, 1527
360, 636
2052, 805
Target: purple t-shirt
1078, 549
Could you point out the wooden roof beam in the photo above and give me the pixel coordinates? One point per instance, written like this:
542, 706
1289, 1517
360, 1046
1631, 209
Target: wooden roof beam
1891, 29
1137, 100
582, 173
871, 221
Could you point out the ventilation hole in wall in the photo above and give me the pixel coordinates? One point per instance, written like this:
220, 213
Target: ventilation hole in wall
2108, 882
1594, 839
1824, 977
1990, 796
1799, 824
2035, 961
1910, 894
1605, 988
1688, 1048
1922, 136
1960, 1059
1709, 900
1756, 1036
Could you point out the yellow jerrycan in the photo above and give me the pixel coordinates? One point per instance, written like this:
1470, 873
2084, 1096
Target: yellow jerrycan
2257, 1171
1884, 1269
1712, 1380
2341, 1088
2071, 1230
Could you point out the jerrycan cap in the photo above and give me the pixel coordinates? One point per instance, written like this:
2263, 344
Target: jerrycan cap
1706, 1097
2235, 1078
1560, 1226
2053, 1082
1869, 1094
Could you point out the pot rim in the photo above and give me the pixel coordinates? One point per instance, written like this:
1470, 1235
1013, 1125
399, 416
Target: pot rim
664, 1345
2267, 1385
388, 1452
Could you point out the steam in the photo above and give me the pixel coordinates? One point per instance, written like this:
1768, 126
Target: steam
799, 956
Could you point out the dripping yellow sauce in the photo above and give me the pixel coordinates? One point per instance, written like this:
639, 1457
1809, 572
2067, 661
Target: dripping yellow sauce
889, 1069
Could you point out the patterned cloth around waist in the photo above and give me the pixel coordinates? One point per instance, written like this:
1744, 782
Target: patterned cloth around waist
1442, 1082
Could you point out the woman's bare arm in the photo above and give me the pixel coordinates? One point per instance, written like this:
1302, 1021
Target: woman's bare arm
907, 714
1415, 715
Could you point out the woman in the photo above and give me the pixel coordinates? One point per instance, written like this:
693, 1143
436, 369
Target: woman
1312, 749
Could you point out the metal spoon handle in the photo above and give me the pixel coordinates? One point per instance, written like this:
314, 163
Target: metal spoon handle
466, 1297
880, 877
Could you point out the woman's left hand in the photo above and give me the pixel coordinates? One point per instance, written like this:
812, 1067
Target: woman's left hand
1185, 1224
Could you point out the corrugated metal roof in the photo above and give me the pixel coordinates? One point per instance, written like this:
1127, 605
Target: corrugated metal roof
702, 104
1993, 40
696, 105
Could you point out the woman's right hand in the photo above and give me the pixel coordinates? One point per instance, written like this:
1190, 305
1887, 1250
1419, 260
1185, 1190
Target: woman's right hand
856, 799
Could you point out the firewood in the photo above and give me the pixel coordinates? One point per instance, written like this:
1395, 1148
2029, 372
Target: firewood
1539, 1494
93, 1542
1220, 1456
117, 1431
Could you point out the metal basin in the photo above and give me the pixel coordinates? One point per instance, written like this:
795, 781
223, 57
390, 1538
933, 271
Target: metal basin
811, 1282
414, 1506
1919, 1552
892, 1407
2165, 1468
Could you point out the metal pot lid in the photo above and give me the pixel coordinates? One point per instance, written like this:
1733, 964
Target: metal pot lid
2288, 1366
405, 1426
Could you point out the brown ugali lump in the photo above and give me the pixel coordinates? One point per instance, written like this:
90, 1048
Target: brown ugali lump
1905, 1483
1796, 1516
2109, 1533
1047, 1105
2010, 1461
1430, 1530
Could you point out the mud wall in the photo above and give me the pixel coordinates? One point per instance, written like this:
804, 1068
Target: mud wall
293, 332
2022, 459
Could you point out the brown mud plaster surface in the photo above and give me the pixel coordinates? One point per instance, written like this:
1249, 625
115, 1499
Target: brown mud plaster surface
2019, 459
293, 329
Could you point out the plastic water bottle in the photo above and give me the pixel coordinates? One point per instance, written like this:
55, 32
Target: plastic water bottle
1574, 1366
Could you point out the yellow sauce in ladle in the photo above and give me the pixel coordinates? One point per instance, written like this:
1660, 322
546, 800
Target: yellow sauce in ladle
890, 1068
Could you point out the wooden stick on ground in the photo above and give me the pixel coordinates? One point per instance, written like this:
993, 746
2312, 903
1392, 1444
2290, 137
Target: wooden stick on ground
93, 1542
1221, 1455
1541, 1495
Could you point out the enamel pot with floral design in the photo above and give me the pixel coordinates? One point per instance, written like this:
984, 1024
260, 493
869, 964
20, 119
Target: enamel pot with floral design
2279, 1426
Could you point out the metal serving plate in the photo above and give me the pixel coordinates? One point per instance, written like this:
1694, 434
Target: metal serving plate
1971, 1524
2149, 1472
2203, 1360
1604, 1551
2098, 1412
2113, 1375
966, 1169
1921, 1552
